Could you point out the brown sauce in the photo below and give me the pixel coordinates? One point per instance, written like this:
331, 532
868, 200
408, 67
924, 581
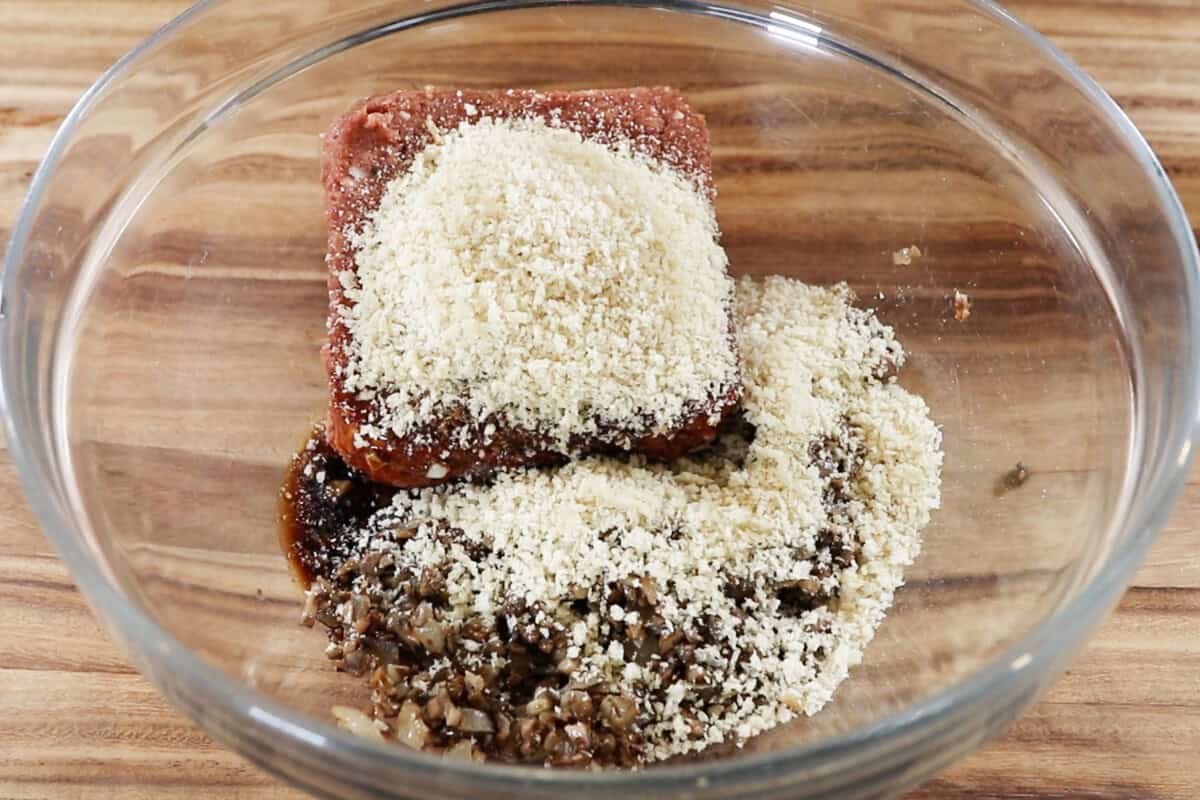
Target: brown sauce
323, 504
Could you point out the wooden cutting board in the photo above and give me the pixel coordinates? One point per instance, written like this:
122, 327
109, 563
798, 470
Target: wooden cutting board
77, 721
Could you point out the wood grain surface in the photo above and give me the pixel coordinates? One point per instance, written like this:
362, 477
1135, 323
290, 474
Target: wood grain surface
77, 721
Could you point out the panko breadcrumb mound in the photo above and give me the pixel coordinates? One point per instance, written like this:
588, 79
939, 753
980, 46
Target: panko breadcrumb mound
520, 277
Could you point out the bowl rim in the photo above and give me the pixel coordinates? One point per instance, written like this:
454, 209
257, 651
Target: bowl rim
263, 719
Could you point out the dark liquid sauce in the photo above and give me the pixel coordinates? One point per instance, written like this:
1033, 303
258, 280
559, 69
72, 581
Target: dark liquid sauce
323, 505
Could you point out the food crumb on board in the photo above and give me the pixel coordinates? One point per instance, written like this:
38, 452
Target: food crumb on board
1014, 478
962, 306
1018, 475
905, 256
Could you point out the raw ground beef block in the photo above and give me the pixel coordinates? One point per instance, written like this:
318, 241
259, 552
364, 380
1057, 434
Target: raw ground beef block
376, 141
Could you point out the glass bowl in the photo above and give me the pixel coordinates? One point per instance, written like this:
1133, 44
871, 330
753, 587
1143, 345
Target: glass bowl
164, 304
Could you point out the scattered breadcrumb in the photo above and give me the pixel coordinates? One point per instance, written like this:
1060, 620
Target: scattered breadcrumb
619, 612
906, 255
962, 306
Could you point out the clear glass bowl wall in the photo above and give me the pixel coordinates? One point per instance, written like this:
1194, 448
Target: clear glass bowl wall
164, 305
